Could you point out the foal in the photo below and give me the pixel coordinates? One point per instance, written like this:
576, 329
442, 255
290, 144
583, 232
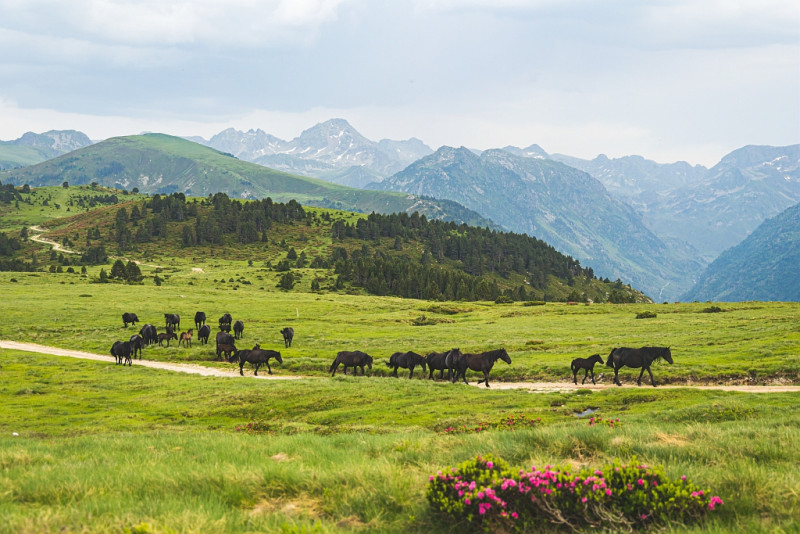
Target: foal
186, 338
587, 364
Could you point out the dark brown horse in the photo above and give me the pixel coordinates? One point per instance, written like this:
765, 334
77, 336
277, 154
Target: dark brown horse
587, 364
438, 361
406, 360
354, 359
257, 357
481, 362
635, 358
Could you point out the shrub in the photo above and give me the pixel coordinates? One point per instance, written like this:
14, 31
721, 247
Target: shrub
533, 303
509, 422
646, 315
503, 299
711, 309
486, 494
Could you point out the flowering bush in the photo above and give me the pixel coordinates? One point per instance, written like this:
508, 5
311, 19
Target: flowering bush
509, 422
612, 423
485, 493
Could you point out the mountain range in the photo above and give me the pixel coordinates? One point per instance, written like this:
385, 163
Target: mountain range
158, 163
34, 148
654, 225
332, 150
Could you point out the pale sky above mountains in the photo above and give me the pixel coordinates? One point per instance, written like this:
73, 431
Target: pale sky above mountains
669, 80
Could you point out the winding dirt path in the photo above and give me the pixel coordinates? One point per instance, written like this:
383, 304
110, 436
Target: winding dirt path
58, 247
165, 366
533, 387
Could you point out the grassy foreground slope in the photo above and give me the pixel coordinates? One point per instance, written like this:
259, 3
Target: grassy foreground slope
101, 448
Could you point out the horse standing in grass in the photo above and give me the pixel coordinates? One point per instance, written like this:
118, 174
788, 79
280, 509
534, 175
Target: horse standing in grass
636, 358
257, 357
481, 362
438, 361
587, 364
186, 338
354, 359
407, 360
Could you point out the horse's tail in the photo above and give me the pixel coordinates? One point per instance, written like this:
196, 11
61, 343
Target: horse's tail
330, 369
610, 361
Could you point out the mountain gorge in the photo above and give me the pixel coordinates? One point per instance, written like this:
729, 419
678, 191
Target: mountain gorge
765, 266
556, 203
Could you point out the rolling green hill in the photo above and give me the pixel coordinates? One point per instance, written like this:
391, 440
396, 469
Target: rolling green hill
157, 163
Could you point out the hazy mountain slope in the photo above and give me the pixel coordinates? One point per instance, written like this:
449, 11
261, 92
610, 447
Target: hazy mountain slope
34, 148
765, 266
157, 163
332, 150
559, 204
741, 191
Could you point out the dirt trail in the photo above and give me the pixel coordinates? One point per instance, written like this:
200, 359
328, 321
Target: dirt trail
166, 366
58, 247
533, 387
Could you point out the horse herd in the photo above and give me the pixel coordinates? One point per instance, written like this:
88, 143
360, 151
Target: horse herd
453, 361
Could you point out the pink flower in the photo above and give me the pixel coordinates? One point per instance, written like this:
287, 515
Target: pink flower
683, 477
640, 482
655, 482
489, 465
643, 516
467, 502
584, 499
514, 515
608, 492
430, 478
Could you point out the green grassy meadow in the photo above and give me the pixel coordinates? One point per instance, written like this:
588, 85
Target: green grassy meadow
105, 448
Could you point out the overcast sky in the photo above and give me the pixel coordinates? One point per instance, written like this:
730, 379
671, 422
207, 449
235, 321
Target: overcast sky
669, 79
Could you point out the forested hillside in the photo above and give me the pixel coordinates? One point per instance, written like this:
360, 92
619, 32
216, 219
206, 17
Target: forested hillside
398, 254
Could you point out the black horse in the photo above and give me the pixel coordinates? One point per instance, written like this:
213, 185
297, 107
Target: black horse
225, 320
587, 364
173, 321
238, 328
354, 359
481, 362
121, 350
406, 360
288, 334
438, 361
258, 357
149, 334
137, 344
199, 319
129, 318
203, 333
451, 360
642, 357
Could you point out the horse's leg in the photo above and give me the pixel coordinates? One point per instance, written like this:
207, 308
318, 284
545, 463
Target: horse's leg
616, 376
269, 369
585, 374
411, 372
652, 380
241, 366
641, 373
255, 373
575, 375
485, 378
591, 371
394, 371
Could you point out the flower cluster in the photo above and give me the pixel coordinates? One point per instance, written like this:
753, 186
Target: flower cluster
611, 423
509, 422
254, 427
484, 492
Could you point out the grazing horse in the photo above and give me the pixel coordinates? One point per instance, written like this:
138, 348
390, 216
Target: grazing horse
587, 364
137, 344
129, 318
229, 349
121, 350
166, 336
226, 319
407, 360
238, 328
173, 321
288, 334
199, 319
642, 357
481, 362
203, 333
354, 359
149, 334
438, 361
186, 338
258, 357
